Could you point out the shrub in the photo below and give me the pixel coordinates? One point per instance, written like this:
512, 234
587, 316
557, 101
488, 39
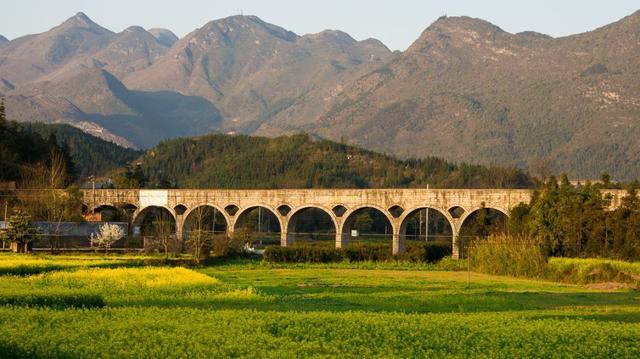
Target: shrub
226, 247
506, 255
368, 252
20, 232
302, 254
426, 252
320, 253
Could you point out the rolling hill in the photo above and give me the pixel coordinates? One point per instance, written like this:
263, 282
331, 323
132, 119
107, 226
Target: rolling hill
91, 155
300, 161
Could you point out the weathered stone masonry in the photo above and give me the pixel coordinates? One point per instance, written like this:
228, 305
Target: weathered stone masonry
339, 204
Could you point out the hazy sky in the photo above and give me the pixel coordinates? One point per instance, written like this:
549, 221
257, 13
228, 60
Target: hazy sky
397, 22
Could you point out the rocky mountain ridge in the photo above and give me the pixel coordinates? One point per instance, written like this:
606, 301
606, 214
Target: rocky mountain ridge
465, 90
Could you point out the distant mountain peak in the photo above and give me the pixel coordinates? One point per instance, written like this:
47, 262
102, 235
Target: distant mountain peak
135, 28
534, 34
164, 36
332, 36
3, 40
456, 29
81, 20
336, 33
245, 22
374, 43
464, 22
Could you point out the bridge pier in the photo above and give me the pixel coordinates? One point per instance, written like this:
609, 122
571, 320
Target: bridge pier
342, 239
456, 224
180, 228
399, 241
287, 239
455, 249
231, 225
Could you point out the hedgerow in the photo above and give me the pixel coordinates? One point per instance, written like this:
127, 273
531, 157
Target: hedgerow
305, 253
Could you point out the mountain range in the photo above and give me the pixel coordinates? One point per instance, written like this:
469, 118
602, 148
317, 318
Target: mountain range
465, 90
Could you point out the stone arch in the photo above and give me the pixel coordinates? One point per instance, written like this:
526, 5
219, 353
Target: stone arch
180, 208
497, 222
125, 211
436, 224
242, 212
109, 213
232, 209
284, 209
396, 211
294, 217
216, 226
350, 218
339, 210
129, 207
457, 211
473, 210
143, 218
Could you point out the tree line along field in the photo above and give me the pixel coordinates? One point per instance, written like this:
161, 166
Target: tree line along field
92, 306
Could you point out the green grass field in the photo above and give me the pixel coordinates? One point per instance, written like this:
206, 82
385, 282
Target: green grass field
93, 307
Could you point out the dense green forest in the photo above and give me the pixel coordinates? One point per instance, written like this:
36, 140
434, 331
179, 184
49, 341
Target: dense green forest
26, 144
576, 221
299, 161
91, 155
20, 149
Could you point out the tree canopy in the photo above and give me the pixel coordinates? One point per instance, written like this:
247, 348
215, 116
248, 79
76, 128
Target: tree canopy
299, 161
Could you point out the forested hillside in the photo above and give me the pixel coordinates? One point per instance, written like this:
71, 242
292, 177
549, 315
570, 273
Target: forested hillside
20, 149
26, 144
298, 161
91, 155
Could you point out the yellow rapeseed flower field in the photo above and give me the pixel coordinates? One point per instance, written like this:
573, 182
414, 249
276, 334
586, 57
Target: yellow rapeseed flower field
127, 278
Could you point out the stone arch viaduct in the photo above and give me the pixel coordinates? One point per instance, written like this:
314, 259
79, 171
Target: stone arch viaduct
340, 204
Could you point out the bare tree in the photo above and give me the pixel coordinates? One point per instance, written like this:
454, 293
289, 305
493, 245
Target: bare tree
199, 242
200, 238
164, 233
45, 198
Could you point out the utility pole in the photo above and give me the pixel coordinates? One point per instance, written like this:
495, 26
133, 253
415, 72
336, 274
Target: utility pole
213, 228
6, 204
426, 232
419, 225
92, 178
468, 265
260, 223
259, 219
